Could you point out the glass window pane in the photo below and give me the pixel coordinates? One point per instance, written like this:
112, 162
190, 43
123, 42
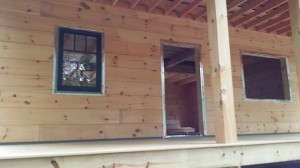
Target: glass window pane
68, 41
80, 43
91, 44
79, 69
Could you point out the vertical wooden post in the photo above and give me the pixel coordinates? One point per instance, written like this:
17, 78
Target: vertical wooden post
221, 75
294, 9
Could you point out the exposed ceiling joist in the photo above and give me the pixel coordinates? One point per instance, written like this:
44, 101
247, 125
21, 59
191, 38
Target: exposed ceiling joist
200, 14
154, 4
250, 6
268, 16
284, 30
234, 4
191, 7
268, 6
178, 59
172, 6
273, 21
134, 3
114, 2
279, 26
182, 69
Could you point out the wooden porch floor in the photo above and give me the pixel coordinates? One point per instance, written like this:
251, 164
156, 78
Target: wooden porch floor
58, 149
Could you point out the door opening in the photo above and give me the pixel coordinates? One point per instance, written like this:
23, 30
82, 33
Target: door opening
183, 95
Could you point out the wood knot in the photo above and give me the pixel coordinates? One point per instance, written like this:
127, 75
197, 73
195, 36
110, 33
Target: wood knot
55, 164
84, 5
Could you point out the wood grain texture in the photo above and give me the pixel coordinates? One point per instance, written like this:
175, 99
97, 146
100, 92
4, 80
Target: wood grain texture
133, 97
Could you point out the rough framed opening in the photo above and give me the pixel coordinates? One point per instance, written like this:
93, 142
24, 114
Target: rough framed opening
183, 96
265, 77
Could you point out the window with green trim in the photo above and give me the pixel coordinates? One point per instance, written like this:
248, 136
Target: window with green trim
78, 61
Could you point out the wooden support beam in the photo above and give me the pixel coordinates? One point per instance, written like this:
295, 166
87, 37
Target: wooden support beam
294, 9
200, 14
191, 7
266, 17
268, 6
278, 26
253, 4
179, 59
134, 3
273, 21
172, 6
154, 4
234, 4
114, 2
221, 75
284, 30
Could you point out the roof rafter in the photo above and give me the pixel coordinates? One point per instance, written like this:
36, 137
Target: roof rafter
279, 26
284, 30
192, 6
273, 21
234, 4
279, 10
252, 5
154, 4
134, 4
200, 14
114, 2
172, 6
268, 6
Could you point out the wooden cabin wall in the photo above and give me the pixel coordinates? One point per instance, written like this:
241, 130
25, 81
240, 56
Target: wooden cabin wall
132, 105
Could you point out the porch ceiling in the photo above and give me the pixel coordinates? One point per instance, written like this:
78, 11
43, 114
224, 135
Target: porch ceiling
271, 16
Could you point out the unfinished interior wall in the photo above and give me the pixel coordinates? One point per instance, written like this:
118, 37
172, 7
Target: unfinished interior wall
181, 105
132, 106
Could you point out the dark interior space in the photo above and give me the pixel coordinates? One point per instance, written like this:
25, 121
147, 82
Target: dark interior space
181, 98
265, 78
290, 164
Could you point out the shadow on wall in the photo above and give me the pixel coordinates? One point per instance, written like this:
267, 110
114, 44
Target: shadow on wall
290, 164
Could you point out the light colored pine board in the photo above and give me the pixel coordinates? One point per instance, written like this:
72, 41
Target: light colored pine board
19, 133
15, 116
100, 131
141, 116
45, 100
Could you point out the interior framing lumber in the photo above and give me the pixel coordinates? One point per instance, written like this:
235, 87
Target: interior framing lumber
178, 60
221, 75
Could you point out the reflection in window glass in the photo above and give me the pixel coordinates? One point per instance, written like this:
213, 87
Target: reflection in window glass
79, 69
91, 44
69, 41
80, 43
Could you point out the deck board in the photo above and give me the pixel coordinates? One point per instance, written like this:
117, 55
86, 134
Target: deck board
37, 150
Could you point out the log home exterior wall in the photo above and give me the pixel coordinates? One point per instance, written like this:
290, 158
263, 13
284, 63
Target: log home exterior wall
132, 105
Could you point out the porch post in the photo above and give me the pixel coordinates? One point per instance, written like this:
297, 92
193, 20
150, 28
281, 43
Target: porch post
221, 74
294, 10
